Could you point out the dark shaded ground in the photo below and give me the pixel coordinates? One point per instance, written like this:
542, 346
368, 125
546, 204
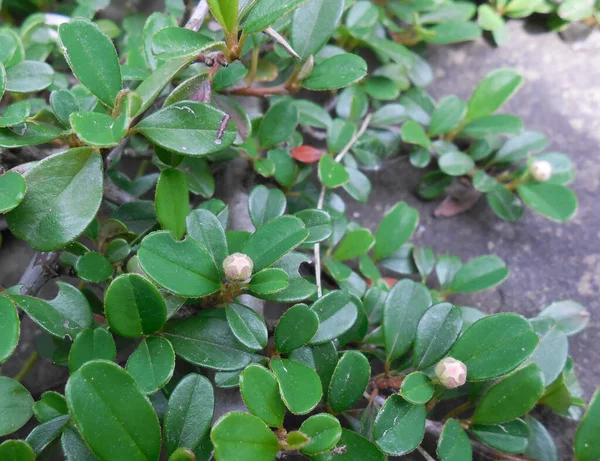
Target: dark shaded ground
548, 261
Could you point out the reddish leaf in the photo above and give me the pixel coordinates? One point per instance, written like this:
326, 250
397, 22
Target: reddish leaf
307, 154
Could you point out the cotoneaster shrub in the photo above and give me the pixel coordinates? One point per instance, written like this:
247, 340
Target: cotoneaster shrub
357, 365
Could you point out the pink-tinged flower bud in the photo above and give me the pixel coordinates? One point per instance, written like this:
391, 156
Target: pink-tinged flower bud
238, 266
451, 373
541, 170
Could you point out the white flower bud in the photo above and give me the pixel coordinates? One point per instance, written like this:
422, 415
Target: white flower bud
451, 373
541, 170
238, 266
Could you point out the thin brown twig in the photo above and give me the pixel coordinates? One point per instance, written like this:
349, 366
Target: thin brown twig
198, 16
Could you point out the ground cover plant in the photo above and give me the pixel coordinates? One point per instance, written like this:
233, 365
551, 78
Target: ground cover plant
163, 283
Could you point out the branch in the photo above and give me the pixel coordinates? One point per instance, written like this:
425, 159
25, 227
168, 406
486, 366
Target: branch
115, 153
41, 268
260, 92
198, 16
116, 195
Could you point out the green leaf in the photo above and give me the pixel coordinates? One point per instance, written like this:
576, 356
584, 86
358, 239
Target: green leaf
134, 306
318, 223
491, 125
358, 186
273, 240
454, 31
66, 315
63, 104
562, 167
569, 315
93, 267
44, 434
454, 444
226, 12
517, 148
331, 173
298, 288
296, 328
93, 58
493, 91
559, 203
15, 114
540, 444
189, 413
9, 329
495, 345
152, 364
228, 76
324, 432
456, 163
552, 351
417, 388
489, 19
29, 76
247, 325
296, 440
16, 405
268, 281
53, 213
512, 397
172, 201
2, 79
206, 229
510, 437
358, 448
265, 204
437, 331
285, 167
424, 260
96, 129
278, 124
399, 426
354, 244
413, 133
404, 306
504, 203
349, 381
182, 454
208, 342
177, 42
74, 448
321, 358
260, 391
336, 72
266, 12
184, 268
313, 24
16, 450
447, 116
479, 274
241, 436
188, 128
337, 312
50, 405
299, 385
155, 22
91, 345
37, 133
395, 229
126, 417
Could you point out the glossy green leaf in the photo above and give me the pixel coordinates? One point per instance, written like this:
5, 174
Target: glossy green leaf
50, 405
337, 313
134, 306
189, 413
495, 345
16, 450
2, 79
493, 125
126, 418
396, 227
95, 129
479, 274
437, 331
586, 437
278, 124
424, 260
155, 22
273, 240
296, 328
354, 244
265, 204
349, 381
456, 163
493, 91
172, 201
447, 116
554, 201
512, 397
152, 364
413, 133
53, 213
331, 173
226, 12
321, 358
417, 388
247, 325
189, 128
93, 267
260, 391
206, 229
37, 133
358, 448
540, 444
399, 426
268, 281
266, 12
324, 432
313, 24
93, 58
241, 436
9, 329
15, 114
453, 31
184, 268
336, 72
454, 444
510, 437
46, 433
404, 306
504, 203
318, 223
517, 148
183, 454
569, 315
29, 76
298, 289
208, 342
74, 448
177, 42
66, 315
552, 351
299, 385
16, 405
91, 345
